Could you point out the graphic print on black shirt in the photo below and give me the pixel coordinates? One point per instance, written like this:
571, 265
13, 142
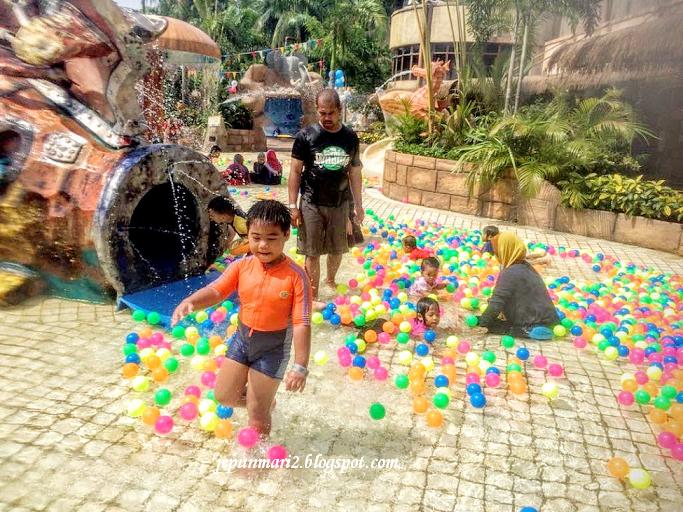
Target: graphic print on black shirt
327, 158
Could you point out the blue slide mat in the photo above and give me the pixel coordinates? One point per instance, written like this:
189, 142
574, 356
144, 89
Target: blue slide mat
163, 299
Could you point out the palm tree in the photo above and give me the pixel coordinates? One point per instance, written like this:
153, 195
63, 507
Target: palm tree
287, 17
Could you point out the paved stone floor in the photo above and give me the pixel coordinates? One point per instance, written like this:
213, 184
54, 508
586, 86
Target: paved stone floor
67, 444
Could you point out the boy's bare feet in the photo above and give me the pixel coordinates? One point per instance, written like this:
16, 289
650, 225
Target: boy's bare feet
331, 283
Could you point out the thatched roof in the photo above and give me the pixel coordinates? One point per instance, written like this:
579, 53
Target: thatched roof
653, 48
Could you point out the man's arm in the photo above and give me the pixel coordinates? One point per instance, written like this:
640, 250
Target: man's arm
356, 181
293, 187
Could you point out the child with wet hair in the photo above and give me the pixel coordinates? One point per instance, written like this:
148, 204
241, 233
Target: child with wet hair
411, 249
429, 281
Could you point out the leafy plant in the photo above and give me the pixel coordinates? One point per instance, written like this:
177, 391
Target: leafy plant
236, 115
408, 128
621, 194
376, 133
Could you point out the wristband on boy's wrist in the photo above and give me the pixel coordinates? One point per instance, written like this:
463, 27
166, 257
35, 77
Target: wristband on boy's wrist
296, 367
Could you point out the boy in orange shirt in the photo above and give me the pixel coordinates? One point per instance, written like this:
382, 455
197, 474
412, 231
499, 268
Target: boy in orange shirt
275, 308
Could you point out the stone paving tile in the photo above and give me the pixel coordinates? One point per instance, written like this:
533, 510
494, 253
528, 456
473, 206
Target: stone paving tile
66, 444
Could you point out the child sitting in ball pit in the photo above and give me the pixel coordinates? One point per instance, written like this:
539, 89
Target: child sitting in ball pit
411, 249
428, 316
223, 213
429, 281
488, 233
275, 306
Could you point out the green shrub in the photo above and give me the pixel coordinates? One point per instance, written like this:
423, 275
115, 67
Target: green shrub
236, 115
374, 134
621, 194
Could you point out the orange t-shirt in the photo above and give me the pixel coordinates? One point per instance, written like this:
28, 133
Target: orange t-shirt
269, 296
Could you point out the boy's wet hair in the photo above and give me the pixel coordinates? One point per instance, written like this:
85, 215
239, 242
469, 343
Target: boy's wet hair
423, 305
270, 211
491, 231
410, 241
260, 155
238, 158
430, 262
222, 205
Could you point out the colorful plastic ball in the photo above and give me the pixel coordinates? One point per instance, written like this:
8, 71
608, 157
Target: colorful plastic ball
507, 341
528, 509
618, 467
139, 315
422, 350
321, 358
550, 390
523, 353
162, 397
662, 403
452, 342
135, 408
471, 321
403, 338
380, 373
405, 357
642, 397
150, 415
441, 400
580, 343
463, 347
429, 336
625, 398
472, 359
677, 451
434, 418
377, 411
473, 388
492, 380
611, 353
478, 400
129, 370
560, 331
355, 373
164, 424
208, 379
153, 318
420, 404
639, 478
140, 383
277, 453
540, 361
208, 421
187, 350
666, 439
555, 370
247, 437
188, 411
223, 429
441, 381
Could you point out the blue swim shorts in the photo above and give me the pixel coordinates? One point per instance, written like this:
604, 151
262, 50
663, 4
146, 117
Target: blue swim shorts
264, 351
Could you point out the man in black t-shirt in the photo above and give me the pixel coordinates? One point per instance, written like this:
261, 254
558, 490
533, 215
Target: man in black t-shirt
325, 165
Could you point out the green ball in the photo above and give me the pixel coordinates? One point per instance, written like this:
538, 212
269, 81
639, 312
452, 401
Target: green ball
210, 395
228, 305
441, 400
514, 367
187, 350
663, 403
642, 397
475, 303
295, 231
153, 318
489, 356
203, 347
171, 364
668, 392
403, 338
377, 411
402, 381
450, 288
162, 397
471, 321
130, 348
603, 345
138, 315
178, 332
359, 320
567, 323
507, 341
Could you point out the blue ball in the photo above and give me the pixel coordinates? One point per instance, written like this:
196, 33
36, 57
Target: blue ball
614, 341
523, 353
429, 336
223, 412
353, 348
596, 268
359, 361
528, 509
493, 369
327, 314
422, 350
473, 389
623, 350
576, 330
478, 400
335, 319
679, 397
441, 381
670, 359
394, 303
133, 337
133, 358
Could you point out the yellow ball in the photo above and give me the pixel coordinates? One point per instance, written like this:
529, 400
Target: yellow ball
403, 297
197, 363
611, 353
405, 357
654, 372
201, 317
356, 299
627, 376
321, 357
484, 365
360, 343
163, 354
191, 332
233, 319
550, 390
428, 363
135, 408
140, 383
206, 405
472, 358
221, 349
639, 478
208, 421
292, 251
466, 303
452, 341
145, 353
405, 326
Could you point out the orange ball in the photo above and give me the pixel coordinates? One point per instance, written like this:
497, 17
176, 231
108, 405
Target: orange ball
675, 426
191, 398
397, 318
658, 416
346, 319
153, 362
676, 412
214, 341
355, 373
370, 336
420, 404
517, 387
389, 327
228, 332
629, 385
449, 371
149, 417
651, 388
223, 429
210, 365
160, 374
618, 467
145, 332
434, 418
130, 370
418, 388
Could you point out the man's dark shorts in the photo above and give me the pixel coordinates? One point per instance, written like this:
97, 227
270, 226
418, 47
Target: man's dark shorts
323, 229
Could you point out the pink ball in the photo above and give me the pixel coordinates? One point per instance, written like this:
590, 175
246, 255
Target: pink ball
655, 358
540, 361
164, 424
166, 344
339, 300
193, 390
144, 343
384, 338
666, 439
677, 451
492, 380
372, 362
219, 361
463, 347
247, 437
636, 356
555, 370
343, 351
580, 342
365, 296
625, 398
157, 338
217, 317
472, 378
381, 373
353, 284
188, 411
208, 379
277, 453
345, 361
447, 360
641, 377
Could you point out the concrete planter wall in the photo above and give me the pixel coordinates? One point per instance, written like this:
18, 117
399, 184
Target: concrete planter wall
438, 183
230, 140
